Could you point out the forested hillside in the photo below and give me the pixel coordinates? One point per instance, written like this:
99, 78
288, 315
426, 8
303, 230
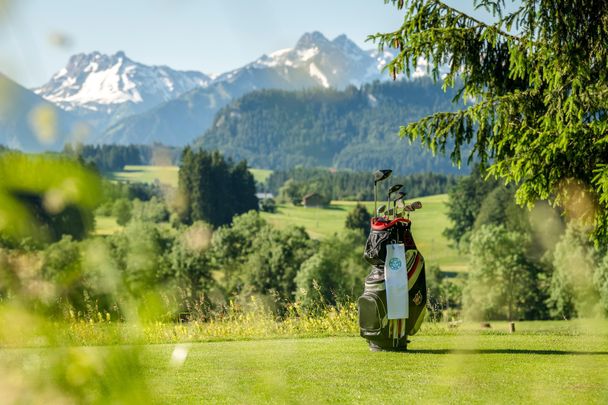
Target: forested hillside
350, 185
351, 129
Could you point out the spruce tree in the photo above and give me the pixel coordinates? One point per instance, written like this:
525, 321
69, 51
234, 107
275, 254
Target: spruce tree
533, 86
212, 189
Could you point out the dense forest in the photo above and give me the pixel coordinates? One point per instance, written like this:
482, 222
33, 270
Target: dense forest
352, 129
350, 185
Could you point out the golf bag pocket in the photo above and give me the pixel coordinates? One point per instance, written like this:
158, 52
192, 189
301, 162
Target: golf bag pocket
375, 247
372, 314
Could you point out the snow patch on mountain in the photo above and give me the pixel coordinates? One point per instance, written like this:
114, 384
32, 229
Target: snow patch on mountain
315, 72
306, 54
95, 81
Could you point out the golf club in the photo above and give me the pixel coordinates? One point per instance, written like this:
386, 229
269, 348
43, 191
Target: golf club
379, 175
392, 190
381, 209
400, 196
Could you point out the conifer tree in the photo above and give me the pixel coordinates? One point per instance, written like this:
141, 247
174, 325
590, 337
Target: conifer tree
534, 87
214, 190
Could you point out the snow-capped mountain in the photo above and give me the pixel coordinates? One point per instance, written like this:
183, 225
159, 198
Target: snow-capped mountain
337, 63
100, 83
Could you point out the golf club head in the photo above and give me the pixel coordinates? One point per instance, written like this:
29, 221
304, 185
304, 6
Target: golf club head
413, 206
380, 175
394, 188
381, 209
399, 197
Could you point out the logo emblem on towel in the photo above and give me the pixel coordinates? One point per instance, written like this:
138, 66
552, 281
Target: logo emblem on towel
394, 264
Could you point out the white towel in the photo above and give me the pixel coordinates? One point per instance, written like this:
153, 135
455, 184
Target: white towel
395, 274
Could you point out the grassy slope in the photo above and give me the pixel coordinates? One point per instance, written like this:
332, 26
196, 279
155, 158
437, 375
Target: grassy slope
167, 174
544, 364
260, 175
427, 225
148, 174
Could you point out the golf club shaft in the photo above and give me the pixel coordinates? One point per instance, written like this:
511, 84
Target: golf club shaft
375, 198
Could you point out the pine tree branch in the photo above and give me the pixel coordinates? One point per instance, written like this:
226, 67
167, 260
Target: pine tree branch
479, 23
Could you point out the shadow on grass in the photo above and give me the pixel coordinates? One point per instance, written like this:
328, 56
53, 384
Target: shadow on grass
508, 351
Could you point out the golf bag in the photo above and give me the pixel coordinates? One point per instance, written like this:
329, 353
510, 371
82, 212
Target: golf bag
375, 327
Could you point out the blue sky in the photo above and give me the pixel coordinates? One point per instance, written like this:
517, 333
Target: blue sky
38, 36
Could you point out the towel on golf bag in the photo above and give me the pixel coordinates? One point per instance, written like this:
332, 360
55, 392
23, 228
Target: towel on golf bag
395, 271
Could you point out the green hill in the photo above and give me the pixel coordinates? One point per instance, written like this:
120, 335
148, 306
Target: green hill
166, 174
427, 226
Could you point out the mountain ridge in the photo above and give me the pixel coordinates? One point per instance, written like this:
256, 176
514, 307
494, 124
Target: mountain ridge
314, 61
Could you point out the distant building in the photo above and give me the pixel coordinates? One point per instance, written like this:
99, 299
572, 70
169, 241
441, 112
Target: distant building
314, 200
264, 196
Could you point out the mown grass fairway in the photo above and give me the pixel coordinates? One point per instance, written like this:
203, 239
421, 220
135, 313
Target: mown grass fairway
167, 174
543, 362
428, 225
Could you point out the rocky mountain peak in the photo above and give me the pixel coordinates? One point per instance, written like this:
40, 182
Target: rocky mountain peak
312, 40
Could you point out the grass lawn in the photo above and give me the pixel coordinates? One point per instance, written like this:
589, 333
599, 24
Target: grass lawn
167, 174
260, 175
148, 174
106, 225
427, 226
552, 362
546, 361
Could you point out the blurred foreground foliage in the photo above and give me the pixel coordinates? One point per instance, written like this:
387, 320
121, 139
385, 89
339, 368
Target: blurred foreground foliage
44, 197
524, 264
47, 201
